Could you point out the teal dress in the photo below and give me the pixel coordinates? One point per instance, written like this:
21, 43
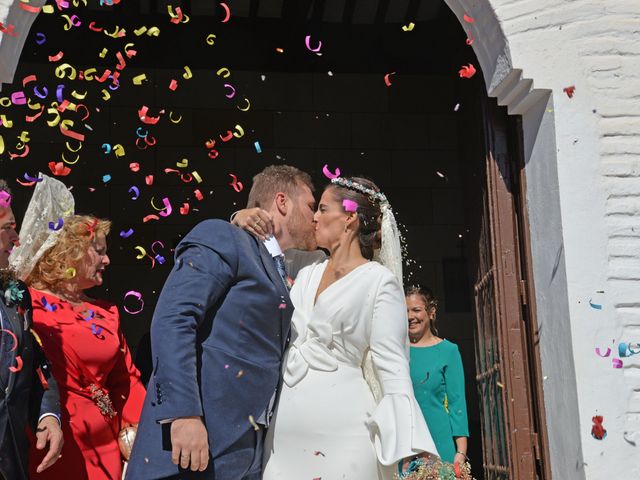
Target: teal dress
438, 382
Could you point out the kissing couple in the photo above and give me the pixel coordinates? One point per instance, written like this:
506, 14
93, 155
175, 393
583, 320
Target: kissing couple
253, 379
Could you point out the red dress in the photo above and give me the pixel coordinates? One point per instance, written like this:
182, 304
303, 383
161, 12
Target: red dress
85, 346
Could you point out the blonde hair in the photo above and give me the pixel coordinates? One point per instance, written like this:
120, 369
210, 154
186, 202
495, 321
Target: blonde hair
274, 179
56, 267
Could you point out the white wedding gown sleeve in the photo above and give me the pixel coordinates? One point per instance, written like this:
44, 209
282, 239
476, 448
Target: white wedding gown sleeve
327, 423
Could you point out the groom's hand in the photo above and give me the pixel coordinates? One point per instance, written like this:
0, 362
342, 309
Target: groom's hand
189, 442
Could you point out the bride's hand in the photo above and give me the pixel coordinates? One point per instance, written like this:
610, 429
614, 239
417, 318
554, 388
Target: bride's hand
254, 220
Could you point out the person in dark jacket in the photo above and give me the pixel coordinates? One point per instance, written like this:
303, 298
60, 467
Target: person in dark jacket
28, 392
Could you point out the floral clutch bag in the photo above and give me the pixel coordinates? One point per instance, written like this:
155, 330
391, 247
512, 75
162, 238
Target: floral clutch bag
436, 469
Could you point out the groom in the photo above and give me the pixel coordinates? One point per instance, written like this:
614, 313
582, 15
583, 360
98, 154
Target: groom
218, 335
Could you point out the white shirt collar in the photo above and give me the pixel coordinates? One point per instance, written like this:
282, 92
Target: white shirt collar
273, 246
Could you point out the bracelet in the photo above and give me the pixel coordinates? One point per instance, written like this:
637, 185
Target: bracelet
463, 454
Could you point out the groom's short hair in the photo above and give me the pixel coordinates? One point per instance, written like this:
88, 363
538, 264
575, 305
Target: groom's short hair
274, 179
4, 186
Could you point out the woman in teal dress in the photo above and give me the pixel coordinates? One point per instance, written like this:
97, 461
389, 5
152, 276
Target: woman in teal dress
438, 378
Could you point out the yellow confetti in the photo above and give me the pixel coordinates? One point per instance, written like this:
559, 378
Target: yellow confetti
187, 73
156, 208
247, 107
118, 150
239, 133
66, 70
79, 96
117, 33
5, 102
6, 123
177, 120
256, 427
33, 106
153, 32
138, 79
140, 31
408, 28
143, 252
183, 163
71, 149
47, 9
224, 72
56, 120
24, 136
103, 53
68, 162
211, 39
105, 94
1, 144
196, 175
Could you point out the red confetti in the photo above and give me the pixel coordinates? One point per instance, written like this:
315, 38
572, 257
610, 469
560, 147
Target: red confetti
59, 169
227, 11
597, 430
237, 186
184, 209
387, 79
150, 217
467, 71
198, 194
148, 180
18, 366
56, 57
569, 90
134, 167
468, 19
173, 85
142, 113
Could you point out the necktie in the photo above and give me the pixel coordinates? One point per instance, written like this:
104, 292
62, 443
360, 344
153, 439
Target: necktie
279, 261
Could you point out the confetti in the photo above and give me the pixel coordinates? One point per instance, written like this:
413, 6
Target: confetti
18, 366
387, 78
467, 71
227, 12
349, 205
237, 186
595, 306
59, 169
198, 194
569, 91
468, 19
57, 225
136, 192
616, 363
408, 28
257, 147
327, 173
137, 296
106, 178
307, 42
210, 39
126, 234
49, 307
5, 199
13, 336
597, 430
232, 91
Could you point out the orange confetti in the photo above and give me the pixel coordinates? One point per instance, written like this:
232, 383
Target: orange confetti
59, 169
467, 71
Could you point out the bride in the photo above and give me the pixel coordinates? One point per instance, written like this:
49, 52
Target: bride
347, 408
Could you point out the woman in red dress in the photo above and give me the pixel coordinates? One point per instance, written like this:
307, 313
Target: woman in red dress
100, 388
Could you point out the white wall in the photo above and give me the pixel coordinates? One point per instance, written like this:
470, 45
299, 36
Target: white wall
594, 45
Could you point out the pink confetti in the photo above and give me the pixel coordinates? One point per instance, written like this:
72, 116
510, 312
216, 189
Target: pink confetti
138, 296
350, 205
328, 174
307, 42
616, 363
168, 209
605, 355
5, 199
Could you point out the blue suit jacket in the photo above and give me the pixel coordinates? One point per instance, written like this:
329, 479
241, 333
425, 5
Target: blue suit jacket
217, 337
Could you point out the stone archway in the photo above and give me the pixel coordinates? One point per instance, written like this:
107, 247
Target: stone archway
543, 225
518, 94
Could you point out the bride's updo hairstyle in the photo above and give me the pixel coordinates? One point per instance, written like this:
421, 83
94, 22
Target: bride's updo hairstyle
368, 198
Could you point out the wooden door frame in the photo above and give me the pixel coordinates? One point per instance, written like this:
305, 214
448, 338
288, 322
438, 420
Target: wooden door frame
515, 314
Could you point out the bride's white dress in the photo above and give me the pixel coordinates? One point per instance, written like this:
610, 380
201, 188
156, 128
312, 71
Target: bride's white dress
327, 424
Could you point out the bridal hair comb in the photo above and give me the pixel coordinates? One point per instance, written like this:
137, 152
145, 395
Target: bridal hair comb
351, 185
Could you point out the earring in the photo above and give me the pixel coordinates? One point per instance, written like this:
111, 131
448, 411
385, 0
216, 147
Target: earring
345, 228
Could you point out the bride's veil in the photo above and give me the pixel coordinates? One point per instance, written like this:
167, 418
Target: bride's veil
389, 255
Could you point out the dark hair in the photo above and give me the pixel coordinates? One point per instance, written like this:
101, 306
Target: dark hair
430, 301
4, 186
369, 213
274, 179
